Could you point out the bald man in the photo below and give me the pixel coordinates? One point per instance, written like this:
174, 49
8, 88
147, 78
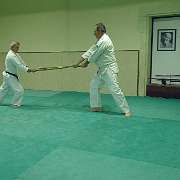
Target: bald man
13, 62
102, 54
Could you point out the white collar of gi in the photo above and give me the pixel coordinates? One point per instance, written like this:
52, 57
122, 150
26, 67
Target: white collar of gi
101, 39
15, 54
12, 52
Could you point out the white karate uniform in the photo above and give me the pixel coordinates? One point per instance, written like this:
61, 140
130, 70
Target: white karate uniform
13, 62
102, 54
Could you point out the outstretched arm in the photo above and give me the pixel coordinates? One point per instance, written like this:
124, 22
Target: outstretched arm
83, 62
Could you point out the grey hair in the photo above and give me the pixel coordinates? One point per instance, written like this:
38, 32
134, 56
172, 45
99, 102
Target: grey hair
13, 43
101, 27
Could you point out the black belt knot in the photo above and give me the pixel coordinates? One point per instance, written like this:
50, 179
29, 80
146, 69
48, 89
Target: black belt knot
12, 74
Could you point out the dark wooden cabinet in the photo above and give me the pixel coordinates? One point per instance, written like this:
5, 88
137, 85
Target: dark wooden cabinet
166, 91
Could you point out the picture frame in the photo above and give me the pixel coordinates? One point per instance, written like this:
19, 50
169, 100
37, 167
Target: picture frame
166, 40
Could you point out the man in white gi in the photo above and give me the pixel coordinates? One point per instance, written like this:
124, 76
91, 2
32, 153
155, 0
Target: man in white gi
102, 54
13, 62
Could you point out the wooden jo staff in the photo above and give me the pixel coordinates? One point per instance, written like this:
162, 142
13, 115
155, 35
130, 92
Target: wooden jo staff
54, 68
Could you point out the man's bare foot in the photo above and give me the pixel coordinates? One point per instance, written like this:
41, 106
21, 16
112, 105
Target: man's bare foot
96, 109
128, 114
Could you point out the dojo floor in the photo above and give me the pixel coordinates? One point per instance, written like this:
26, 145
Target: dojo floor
54, 137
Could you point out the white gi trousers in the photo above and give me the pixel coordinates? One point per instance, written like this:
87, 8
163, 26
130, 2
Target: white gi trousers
108, 78
11, 83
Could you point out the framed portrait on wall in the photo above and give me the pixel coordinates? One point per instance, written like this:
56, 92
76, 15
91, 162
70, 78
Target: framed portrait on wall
166, 40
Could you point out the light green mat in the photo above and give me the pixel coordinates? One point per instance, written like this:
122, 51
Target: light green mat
55, 137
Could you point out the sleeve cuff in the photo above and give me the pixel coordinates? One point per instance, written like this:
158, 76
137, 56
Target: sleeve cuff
84, 56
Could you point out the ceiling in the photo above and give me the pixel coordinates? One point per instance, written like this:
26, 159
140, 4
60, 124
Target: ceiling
10, 7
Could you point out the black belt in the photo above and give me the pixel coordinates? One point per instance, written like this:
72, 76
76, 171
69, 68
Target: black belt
12, 74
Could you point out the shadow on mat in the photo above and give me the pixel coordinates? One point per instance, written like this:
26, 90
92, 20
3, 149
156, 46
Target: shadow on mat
67, 107
64, 107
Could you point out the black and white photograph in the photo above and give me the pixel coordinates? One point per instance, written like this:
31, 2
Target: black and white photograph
166, 40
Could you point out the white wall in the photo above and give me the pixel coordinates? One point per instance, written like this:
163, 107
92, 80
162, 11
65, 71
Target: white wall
165, 62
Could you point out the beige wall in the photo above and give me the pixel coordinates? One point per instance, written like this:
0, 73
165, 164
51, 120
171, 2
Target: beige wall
71, 30
76, 79
36, 31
